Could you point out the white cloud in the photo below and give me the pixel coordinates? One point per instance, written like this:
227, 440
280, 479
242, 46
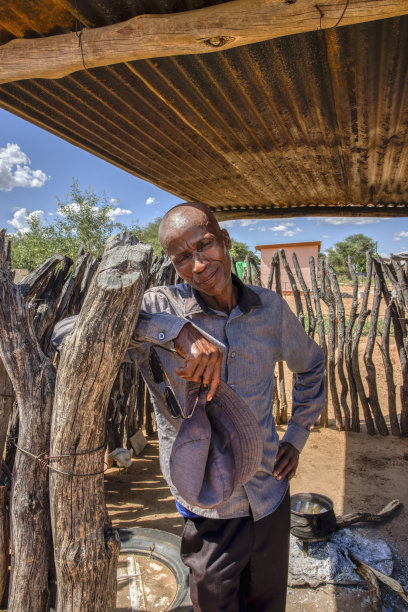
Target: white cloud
400, 235
227, 224
344, 220
117, 212
21, 218
287, 228
15, 169
246, 222
325, 236
150, 200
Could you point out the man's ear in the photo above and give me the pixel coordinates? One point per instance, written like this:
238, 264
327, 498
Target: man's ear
226, 238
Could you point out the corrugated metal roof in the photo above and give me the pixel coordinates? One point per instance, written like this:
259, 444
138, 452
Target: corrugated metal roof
308, 124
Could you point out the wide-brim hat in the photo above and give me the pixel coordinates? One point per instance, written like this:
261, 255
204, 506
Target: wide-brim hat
217, 450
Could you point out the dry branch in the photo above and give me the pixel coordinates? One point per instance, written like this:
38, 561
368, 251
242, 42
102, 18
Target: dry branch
206, 30
86, 548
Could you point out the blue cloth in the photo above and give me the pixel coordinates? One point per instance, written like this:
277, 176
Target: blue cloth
184, 512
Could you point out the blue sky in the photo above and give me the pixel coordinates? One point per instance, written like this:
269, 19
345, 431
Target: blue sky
36, 166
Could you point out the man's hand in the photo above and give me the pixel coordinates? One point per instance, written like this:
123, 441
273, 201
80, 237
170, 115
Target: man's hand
202, 359
286, 461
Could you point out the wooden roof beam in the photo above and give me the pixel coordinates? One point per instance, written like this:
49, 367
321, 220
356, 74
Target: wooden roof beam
206, 30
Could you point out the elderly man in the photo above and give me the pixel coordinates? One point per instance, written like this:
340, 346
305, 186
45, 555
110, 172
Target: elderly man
221, 329
237, 552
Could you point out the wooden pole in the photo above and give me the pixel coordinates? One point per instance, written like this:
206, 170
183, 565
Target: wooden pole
205, 30
402, 350
364, 312
296, 293
33, 380
341, 330
328, 298
355, 419
370, 367
389, 373
324, 418
306, 293
85, 546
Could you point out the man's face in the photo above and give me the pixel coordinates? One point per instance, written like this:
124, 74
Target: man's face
200, 255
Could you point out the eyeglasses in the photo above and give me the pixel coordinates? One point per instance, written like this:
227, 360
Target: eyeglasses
159, 376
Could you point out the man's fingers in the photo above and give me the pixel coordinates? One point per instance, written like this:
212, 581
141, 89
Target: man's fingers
286, 462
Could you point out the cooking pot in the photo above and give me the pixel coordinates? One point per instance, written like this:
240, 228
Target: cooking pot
312, 516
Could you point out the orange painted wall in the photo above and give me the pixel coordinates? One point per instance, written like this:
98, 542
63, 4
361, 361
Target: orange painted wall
303, 252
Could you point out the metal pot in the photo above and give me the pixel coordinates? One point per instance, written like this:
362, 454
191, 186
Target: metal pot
312, 516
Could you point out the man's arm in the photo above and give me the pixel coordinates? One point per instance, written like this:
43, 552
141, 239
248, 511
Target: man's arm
304, 357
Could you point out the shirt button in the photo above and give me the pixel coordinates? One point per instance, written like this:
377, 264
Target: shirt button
232, 386
161, 336
233, 354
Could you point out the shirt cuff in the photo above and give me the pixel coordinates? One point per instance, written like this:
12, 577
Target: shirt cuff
295, 435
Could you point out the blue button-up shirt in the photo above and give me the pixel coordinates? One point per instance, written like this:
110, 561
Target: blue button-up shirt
257, 333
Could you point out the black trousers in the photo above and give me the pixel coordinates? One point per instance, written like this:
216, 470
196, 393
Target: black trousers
238, 565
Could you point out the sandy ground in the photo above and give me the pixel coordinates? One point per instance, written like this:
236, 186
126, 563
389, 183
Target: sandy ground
358, 472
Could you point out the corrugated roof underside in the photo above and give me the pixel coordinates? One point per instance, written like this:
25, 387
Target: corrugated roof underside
307, 121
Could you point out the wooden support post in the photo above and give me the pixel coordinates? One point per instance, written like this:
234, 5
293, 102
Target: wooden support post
85, 546
204, 30
33, 379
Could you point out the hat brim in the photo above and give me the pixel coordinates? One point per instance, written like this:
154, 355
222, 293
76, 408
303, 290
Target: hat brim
216, 451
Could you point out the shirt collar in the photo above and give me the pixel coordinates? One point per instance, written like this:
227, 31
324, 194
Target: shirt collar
247, 299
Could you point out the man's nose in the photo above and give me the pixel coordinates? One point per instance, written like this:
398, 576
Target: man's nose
198, 263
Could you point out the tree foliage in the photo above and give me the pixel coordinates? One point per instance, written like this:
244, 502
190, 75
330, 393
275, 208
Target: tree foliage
84, 221
240, 250
356, 246
149, 234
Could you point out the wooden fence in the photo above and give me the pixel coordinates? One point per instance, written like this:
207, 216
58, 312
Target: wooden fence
29, 311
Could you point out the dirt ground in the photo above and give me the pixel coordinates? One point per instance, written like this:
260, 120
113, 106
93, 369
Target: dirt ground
358, 472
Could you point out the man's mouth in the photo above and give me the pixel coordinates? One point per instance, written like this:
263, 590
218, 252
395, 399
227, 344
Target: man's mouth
206, 280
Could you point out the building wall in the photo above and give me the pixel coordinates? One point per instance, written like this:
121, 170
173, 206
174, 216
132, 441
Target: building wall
303, 252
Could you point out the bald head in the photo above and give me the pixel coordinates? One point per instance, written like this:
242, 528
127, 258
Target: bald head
182, 217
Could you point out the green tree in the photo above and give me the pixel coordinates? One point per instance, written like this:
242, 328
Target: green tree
149, 234
29, 249
240, 250
85, 220
356, 246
